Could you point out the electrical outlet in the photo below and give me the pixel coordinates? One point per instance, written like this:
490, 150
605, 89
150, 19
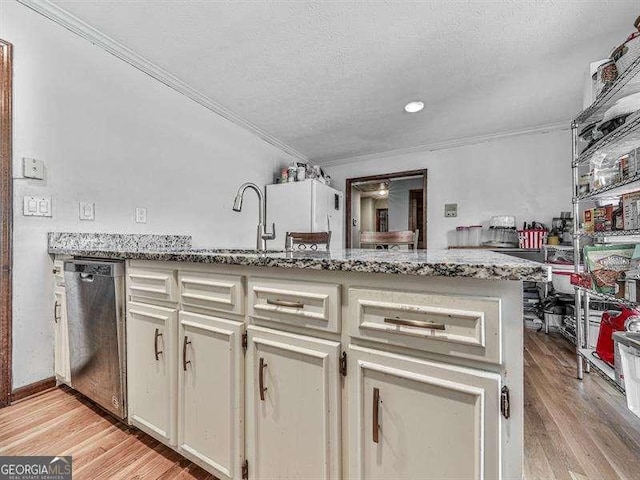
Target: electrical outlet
450, 209
33, 168
86, 211
37, 207
141, 215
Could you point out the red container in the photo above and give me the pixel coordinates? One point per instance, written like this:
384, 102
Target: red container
611, 322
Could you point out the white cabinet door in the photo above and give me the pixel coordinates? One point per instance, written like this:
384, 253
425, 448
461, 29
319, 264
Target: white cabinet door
61, 337
293, 406
211, 393
152, 369
412, 419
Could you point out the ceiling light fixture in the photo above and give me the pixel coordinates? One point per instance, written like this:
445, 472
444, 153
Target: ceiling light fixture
413, 107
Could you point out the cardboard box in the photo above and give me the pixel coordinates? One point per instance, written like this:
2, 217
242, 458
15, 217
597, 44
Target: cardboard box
587, 220
631, 210
603, 218
629, 165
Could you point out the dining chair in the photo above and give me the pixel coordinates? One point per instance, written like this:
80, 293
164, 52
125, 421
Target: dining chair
308, 240
390, 240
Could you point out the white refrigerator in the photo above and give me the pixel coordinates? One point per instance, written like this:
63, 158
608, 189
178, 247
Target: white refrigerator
307, 206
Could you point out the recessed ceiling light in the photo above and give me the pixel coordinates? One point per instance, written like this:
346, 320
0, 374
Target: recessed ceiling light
413, 107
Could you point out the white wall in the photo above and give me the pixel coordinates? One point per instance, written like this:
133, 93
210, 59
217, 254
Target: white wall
528, 176
399, 202
109, 134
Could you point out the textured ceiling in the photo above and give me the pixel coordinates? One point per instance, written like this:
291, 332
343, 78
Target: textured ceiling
330, 78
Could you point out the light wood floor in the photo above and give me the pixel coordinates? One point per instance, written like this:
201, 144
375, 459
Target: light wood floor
573, 430
61, 422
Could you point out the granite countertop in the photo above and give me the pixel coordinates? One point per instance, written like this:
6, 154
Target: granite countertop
480, 264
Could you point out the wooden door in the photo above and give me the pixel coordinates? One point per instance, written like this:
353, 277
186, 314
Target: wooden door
411, 419
152, 369
211, 393
416, 214
293, 406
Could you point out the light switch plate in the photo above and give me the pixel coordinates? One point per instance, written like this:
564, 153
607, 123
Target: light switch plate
141, 215
32, 168
37, 207
86, 211
450, 209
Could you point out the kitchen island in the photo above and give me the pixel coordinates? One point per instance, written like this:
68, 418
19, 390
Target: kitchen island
348, 364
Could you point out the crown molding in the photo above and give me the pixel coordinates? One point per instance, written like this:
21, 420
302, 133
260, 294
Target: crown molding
447, 144
89, 33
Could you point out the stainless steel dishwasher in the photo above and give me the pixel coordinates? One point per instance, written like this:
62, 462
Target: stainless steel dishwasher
95, 313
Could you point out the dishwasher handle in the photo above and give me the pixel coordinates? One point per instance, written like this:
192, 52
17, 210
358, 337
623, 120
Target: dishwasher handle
87, 277
87, 269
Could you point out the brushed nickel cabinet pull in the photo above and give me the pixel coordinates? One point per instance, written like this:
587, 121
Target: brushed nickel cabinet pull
263, 389
284, 303
376, 423
155, 344
56, 317
415, 323
184, 353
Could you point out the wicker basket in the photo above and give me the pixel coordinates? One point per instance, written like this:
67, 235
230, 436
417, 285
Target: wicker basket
627, 53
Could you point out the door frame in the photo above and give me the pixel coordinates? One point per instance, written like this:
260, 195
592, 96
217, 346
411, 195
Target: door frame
381, 177
6, 219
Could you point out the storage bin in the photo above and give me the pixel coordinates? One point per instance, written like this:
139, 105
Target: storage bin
630, 358
553, 320
617, 360
462, 234
475, 235
561, 277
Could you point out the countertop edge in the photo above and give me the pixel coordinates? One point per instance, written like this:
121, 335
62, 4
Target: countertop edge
479, 271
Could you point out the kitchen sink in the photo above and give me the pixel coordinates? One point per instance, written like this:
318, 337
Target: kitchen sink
533, 255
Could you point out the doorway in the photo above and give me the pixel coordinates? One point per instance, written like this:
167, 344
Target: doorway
382, 219
6, 212
388, 202
416, 214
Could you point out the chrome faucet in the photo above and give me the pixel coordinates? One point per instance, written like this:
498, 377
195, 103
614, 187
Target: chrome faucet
262, 235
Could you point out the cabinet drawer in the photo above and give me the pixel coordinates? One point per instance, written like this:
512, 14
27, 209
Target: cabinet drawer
213, 291
455, 325
153, 284
304, 304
